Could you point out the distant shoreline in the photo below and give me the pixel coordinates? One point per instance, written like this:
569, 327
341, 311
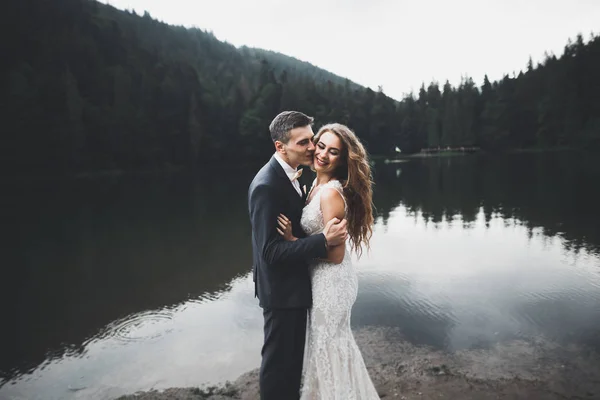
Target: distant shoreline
455, 153
167, 170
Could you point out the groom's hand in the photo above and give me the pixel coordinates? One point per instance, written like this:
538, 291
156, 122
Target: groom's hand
335, 232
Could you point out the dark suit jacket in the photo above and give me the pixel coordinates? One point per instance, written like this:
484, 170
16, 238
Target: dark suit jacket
280, 268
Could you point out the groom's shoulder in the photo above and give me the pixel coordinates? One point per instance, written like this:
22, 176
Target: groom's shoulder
263, 176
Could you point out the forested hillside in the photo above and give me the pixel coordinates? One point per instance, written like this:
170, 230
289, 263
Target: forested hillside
90, 87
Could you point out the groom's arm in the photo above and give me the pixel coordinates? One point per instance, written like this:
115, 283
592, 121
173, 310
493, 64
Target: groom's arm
264, 208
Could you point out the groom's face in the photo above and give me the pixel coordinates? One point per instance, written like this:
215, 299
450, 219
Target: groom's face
300, 148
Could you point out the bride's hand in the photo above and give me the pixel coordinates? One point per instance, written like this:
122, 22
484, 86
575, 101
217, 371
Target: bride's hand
285, 228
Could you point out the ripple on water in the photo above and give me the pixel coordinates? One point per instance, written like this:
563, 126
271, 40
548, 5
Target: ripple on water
143, 326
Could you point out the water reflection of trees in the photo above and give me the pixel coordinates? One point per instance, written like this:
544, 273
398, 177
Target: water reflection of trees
556, 192
83, 255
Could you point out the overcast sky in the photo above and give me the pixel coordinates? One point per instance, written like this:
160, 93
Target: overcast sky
397, 44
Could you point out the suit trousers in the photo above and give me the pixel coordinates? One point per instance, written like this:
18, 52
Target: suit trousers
282, 353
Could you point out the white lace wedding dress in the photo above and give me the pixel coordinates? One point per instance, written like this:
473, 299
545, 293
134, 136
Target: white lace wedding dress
333, 365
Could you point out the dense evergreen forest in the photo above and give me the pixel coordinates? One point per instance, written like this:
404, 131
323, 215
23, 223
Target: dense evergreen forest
88, 87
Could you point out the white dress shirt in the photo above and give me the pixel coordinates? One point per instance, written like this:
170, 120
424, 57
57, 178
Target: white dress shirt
290, 172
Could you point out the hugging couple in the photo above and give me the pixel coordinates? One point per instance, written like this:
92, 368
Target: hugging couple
302, 269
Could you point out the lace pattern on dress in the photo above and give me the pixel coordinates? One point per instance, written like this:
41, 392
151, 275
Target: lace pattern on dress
333, 365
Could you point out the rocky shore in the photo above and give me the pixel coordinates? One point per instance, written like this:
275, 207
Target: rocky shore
522, 369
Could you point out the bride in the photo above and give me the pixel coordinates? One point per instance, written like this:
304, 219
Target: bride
333, 366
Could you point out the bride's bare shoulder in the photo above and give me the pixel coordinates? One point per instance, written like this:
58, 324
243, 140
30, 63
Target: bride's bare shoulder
332, 203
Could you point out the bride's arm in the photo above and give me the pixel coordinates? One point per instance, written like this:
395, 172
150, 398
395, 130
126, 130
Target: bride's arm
332, 206
285, 228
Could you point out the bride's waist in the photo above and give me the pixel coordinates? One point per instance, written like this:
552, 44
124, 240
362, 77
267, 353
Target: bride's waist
327, 266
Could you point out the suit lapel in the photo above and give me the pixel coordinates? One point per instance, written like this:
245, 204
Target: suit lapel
304, 195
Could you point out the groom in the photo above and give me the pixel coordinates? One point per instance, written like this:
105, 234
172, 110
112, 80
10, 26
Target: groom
280, 268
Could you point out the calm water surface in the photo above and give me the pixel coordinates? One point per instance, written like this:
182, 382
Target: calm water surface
117, 285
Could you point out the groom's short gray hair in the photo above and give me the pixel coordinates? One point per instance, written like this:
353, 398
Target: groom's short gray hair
283, 123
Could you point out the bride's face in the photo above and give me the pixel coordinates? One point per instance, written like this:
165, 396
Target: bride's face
328, 153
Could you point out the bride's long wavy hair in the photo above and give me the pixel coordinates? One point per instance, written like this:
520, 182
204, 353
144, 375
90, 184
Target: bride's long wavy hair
354, 172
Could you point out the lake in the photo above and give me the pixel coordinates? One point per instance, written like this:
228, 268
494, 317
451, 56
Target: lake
118, 284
